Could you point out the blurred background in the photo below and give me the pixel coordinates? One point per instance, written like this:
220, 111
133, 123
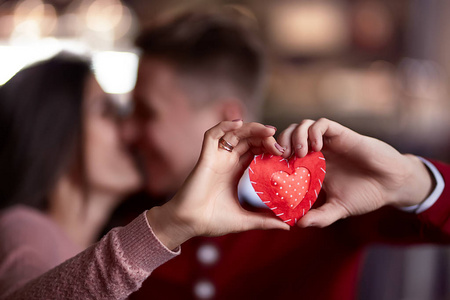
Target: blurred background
380, 67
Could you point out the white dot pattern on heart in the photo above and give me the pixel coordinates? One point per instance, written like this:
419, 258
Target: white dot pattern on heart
292, 194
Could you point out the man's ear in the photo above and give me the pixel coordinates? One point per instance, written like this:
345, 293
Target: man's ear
232, 109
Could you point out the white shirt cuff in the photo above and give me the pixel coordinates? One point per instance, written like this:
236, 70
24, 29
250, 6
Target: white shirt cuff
428, 202
247, 193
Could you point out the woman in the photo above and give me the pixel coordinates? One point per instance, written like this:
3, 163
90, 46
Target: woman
63, 171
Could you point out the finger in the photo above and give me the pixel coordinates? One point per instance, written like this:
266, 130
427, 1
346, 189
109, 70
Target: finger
300, 138
255, 129
284, 139
258, 145
317, 133
263, 221
326, 130
212, 136
253, 135
323, 216
249, 130
269, 145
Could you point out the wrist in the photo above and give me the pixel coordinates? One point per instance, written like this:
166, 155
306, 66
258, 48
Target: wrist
417, 184
169, 229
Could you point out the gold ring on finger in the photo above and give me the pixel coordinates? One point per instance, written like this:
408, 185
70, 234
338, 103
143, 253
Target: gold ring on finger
225, 145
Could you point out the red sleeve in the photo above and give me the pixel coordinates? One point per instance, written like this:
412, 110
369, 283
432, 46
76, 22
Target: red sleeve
389, 225
436, 219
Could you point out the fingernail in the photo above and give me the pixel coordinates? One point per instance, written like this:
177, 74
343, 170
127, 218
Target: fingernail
298, 148
279, 148
270, 126
237, 120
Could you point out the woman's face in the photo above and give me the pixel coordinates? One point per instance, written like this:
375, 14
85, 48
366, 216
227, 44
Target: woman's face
109, 166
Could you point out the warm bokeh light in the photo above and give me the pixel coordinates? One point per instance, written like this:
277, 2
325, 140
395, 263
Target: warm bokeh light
116, 71
33, 30
104, 15
33, 19
13, 58
309, 28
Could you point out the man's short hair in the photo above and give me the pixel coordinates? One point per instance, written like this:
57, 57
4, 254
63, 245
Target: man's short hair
221, 48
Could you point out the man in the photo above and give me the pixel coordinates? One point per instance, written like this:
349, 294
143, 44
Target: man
195, 71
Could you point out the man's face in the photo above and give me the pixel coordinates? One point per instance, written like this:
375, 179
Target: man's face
169, 127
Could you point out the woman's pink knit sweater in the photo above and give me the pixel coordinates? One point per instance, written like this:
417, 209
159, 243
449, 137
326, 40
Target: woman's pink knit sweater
38, 261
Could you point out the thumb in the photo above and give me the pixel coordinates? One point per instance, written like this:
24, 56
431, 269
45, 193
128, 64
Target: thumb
263, 221
323, 216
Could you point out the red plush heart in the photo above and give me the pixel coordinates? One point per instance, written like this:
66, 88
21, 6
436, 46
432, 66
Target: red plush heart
288, 187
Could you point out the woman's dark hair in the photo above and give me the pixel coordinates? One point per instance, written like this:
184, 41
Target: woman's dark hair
40, 128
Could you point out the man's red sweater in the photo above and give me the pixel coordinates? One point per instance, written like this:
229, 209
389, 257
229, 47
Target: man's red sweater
309, 263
